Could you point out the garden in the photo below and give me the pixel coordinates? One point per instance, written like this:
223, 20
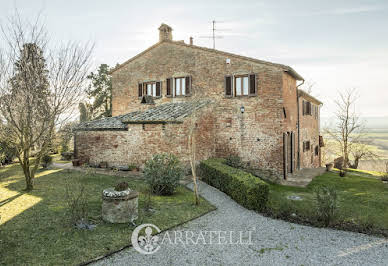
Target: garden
40, 226
356, 202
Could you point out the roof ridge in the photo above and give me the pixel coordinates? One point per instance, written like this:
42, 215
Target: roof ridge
284, 67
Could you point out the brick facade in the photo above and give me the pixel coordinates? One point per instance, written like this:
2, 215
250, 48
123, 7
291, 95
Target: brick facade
256, 135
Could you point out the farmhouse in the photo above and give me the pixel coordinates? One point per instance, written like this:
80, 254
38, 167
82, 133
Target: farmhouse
233, 105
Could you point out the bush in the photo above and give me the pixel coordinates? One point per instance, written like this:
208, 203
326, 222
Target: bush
121, 186
246, 189
46, 160
76, 198
162, 173
342, 173
67, 156
132, 167
326, 200
234, 161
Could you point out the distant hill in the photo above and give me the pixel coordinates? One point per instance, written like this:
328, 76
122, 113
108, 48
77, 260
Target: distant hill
372, 124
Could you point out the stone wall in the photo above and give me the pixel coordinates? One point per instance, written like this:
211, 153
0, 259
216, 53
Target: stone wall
255, 135
309, 131
140, 142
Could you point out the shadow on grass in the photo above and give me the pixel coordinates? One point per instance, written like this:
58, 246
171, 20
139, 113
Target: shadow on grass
34, 226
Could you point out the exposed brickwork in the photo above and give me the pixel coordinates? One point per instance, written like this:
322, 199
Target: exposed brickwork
140, 142
256, 135
309, 131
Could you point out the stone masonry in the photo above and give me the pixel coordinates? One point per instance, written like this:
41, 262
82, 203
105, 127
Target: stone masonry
252, 126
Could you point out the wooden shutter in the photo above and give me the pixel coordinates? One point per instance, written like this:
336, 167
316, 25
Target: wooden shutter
158, 88
228, 86
252, 85
140, 89
188, 85
168, 87
304, 108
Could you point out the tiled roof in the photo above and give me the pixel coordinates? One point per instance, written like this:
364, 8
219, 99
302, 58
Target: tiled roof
108, 123
165, 113
304, 94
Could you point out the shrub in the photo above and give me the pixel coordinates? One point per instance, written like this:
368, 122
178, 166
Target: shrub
234, 161
162, 173
342, 173
121, 186
326, 200
46, 160
131, 167
67, 156
76, 200
246, 189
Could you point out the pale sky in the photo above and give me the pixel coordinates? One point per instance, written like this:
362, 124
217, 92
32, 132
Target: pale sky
338, 45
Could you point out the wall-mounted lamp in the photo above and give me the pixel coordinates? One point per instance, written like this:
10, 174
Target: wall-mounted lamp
242, 109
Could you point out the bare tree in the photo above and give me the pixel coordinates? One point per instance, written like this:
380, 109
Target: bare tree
348, 131
192, 151
40, 85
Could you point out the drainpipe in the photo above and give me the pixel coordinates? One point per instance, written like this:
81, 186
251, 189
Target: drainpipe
297, 102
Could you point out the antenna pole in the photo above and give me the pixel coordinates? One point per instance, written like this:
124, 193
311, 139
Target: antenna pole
214, 37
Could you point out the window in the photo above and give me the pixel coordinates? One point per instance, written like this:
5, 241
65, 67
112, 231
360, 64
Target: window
240, 85
306, 145
316, 150
178, 86
150, 88
307, 108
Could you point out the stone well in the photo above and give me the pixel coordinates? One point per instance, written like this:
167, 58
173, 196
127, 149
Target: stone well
119, 206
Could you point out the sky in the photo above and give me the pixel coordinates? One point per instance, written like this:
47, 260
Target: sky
334, 45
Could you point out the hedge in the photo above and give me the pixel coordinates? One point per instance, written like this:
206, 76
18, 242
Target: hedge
246, 189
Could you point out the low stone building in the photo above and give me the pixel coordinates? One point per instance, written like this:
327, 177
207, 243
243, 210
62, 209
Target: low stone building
233, 105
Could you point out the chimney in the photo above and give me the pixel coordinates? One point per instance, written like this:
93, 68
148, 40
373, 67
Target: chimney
165, 33
191, 40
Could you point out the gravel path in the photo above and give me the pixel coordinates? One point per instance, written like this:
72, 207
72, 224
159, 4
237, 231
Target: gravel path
273, 242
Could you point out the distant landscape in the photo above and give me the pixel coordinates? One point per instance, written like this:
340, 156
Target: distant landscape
376, 129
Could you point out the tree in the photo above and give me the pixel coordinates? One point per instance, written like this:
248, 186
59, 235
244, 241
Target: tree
348, 131
39, 89
100, 92
65, 134
192, 151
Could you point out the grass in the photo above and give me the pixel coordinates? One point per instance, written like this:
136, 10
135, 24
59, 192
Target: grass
362, 201
57, 158
34, 226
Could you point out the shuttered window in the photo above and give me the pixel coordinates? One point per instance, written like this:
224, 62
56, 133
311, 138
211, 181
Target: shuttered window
169, 87
158, 89
188, 85
140, 93
252, 85
241, 85
182, 86
228, 86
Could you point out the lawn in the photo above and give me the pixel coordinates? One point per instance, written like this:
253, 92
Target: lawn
362, 200
34, 226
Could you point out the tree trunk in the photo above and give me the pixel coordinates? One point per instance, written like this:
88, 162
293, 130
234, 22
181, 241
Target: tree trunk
192, 164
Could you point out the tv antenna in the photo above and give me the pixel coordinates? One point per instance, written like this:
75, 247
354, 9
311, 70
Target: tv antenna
214, 37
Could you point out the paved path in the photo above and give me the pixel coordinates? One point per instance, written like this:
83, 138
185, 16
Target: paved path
274, 242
